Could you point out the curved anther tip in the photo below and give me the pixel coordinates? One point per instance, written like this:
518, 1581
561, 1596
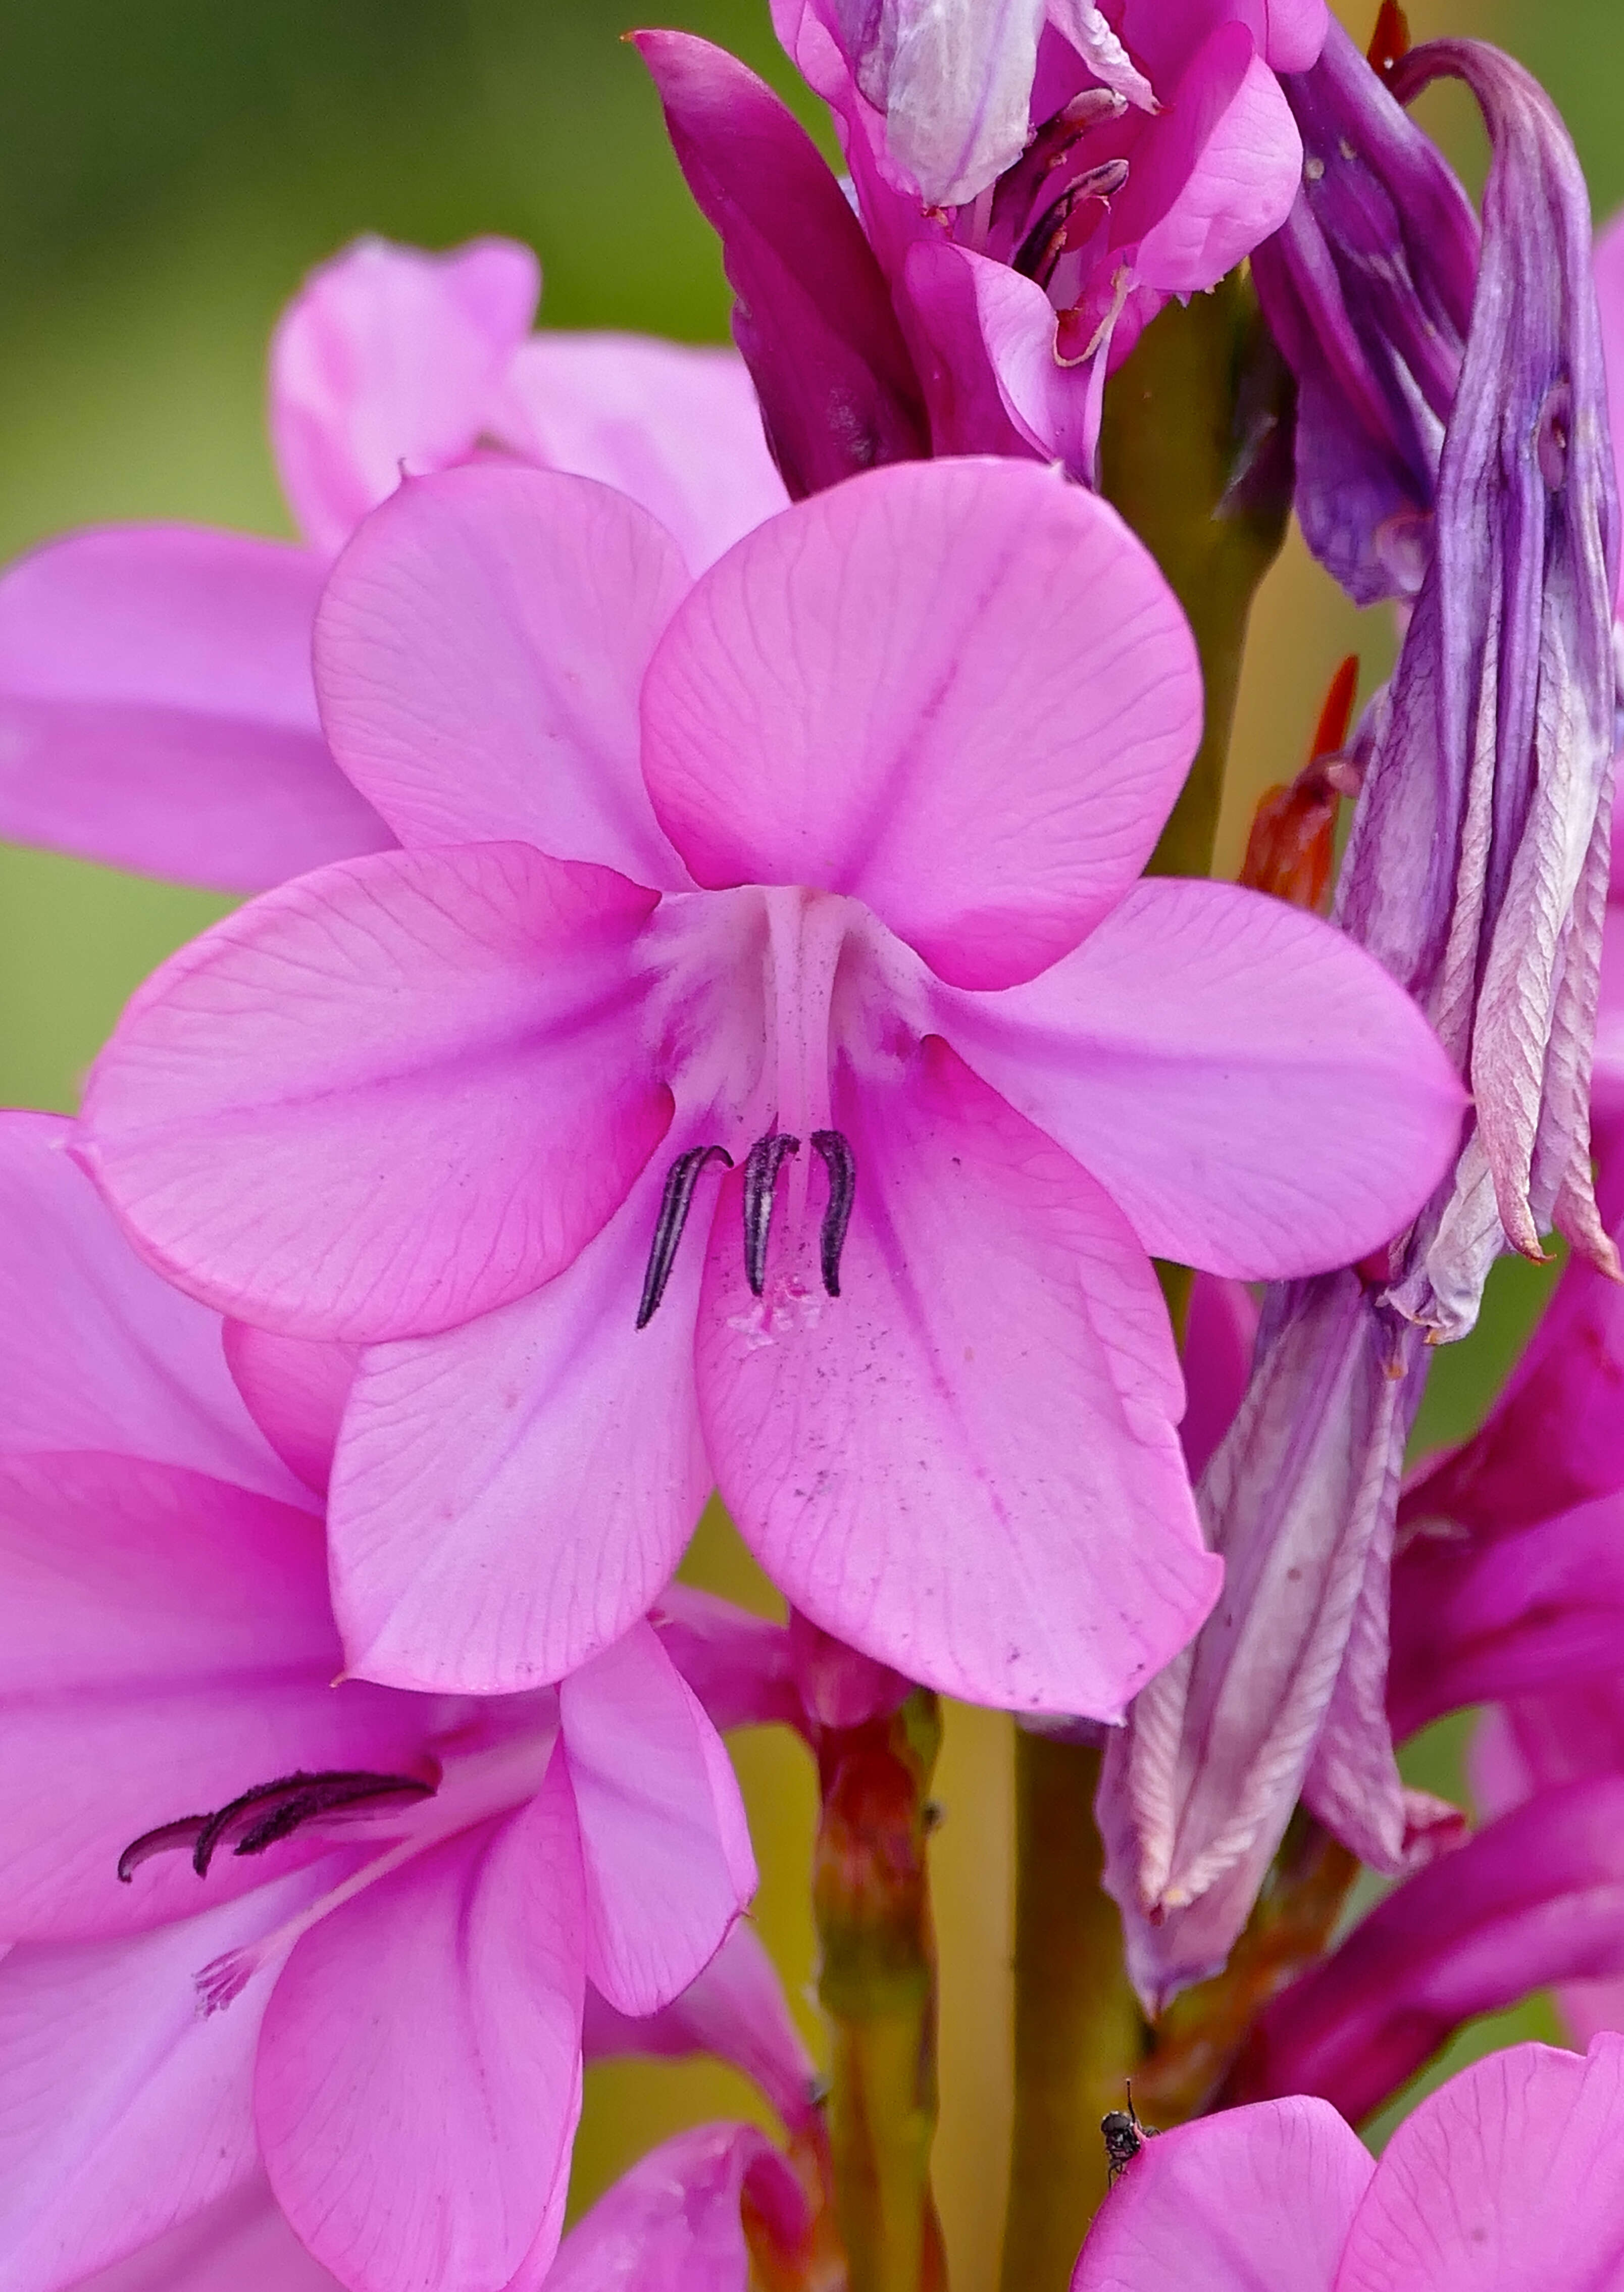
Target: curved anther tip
762, 1165
674, 1203
834, 1147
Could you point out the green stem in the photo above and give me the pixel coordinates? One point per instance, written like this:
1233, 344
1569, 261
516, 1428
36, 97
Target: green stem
1195, 453
877, 1983
1078, 2028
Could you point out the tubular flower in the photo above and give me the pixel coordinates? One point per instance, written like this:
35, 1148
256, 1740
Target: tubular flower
258, 1920
1034, 184
763, 1060
1476, 871
1505, 2180
155, 704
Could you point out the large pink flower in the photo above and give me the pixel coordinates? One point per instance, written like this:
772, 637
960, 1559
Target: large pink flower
356, 1927
806, 899
1506, 2180
155, 704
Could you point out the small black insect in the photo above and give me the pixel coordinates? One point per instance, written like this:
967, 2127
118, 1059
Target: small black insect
1124, 2137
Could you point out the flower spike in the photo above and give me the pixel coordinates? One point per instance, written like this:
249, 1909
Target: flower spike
674, 1203
841, 1164
762, 1165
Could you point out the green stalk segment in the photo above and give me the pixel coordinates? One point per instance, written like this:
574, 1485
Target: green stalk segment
877, 1984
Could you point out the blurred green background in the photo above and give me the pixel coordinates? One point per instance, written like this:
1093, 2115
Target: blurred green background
167, 172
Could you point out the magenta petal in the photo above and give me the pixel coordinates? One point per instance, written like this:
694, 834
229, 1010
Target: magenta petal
157, 710
734, 2009
241, 2243
95, 1351
1251, 1088
419, 2073
905, 1460
509, 1498
1535, 1898
1610, 304
676, 427
1220, 1336
1505, 2178
959, 690
478, 653
448, 1038
664, 1845
390, 358
123, 2109
166, 1642
814, 316
736, 1663
1252, 2200
294, 1388
673, 2223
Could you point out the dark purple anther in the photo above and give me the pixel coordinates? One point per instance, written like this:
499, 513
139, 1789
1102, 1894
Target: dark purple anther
762, 1165
841, 1164
268, 1812
674, 1203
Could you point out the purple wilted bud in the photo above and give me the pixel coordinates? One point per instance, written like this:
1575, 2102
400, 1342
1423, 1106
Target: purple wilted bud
1477, 872
1368, 290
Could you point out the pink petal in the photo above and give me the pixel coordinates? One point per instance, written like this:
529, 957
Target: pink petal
1506, 2176
157, 710
240, 2244
1055, 409
1251, 2201
970, 407
478, 653
905, 1460
675, 427
509, 1498
957, 690
95, 1351
1220, 1334
294, 1388
446, 1037
665, 1844
673, 2224
1251, 1088
1217, 175
123, 2109
736, 1663
390, 358
420, 2075
734, 2009
165, 1644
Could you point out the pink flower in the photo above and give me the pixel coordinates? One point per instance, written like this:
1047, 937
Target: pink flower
825, 868
1506, 2180
355, 1926
156, 705
1035, 192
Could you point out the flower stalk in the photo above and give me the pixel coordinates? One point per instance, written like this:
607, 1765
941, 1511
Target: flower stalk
877, 1984
1195, 453
1079, 2033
